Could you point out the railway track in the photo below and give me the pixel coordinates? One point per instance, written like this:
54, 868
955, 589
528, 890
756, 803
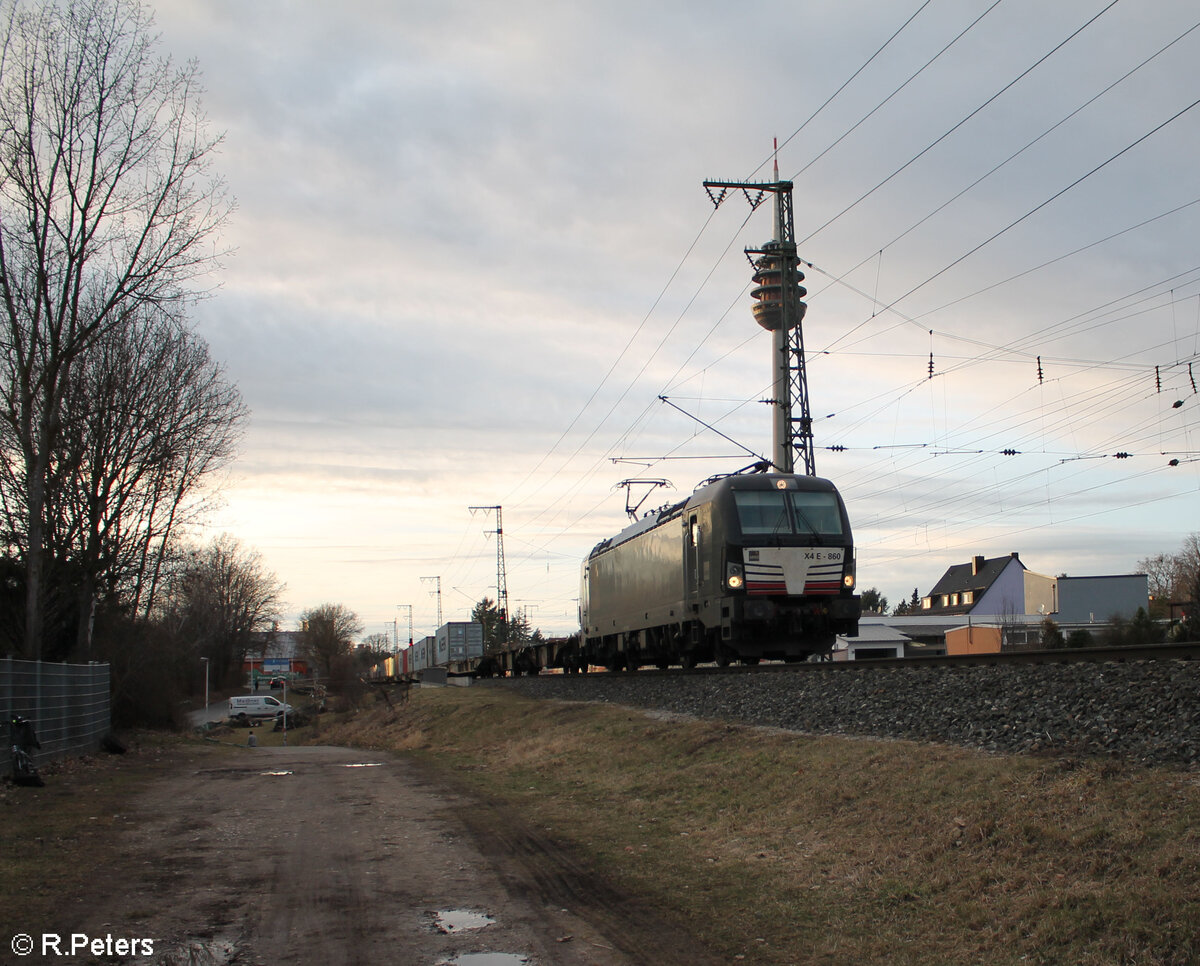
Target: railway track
1146, 652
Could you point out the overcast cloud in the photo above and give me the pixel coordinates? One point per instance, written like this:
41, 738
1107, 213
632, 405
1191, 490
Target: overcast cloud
472, 248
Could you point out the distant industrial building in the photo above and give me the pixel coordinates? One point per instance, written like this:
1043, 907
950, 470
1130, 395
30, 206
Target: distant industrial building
1096, 600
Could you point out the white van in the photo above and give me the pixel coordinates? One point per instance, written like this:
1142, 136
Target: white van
257, 706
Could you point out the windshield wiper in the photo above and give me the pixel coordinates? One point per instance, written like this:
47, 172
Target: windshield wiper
808, 523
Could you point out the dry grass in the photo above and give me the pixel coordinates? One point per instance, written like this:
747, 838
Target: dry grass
782, 848
56, 840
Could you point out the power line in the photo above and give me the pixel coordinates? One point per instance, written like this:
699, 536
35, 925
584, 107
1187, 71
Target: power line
929, 147
1054, 197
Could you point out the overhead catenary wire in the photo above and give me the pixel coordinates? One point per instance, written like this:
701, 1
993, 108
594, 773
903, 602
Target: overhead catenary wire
690, 249
1029, 144
929, 147
1054, 197
1029, 342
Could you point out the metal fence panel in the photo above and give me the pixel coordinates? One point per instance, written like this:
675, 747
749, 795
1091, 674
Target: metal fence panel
69, 705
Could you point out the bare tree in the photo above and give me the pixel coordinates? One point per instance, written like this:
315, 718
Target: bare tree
217, 598
372, 650
1010, 619
105, 207
1162, 574
147, 417
327, 634
1173, 578
1188, 560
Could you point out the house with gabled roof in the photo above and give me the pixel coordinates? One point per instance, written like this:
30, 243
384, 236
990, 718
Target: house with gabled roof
992, 587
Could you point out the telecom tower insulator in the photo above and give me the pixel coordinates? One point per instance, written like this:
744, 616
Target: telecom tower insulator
778, 267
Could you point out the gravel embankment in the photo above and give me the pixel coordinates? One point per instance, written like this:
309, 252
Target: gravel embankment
1146, 711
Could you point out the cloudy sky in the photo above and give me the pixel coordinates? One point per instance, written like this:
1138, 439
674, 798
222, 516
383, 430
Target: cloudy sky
472, 248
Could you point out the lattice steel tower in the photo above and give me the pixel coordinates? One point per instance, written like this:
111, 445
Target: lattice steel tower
779, 308
501, 572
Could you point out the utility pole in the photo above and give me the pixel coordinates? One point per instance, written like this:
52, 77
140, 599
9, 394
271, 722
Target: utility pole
501, 576
439, 598
780, 310
408, 607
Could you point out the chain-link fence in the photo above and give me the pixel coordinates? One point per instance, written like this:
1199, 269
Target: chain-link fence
69, 705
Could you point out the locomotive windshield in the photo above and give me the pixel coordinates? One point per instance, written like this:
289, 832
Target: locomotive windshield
774, 512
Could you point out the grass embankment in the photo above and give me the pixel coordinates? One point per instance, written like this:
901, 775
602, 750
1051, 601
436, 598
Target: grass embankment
781, 848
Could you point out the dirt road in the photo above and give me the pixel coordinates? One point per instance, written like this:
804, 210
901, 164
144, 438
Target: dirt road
329, 855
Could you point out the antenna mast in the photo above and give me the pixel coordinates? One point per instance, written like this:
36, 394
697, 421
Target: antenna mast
779, 309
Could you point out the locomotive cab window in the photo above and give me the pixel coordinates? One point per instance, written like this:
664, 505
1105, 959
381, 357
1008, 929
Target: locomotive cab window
817, 513
762, 511
774, 512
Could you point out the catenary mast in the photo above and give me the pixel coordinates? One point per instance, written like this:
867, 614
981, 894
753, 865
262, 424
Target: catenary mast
779, 308
501, 571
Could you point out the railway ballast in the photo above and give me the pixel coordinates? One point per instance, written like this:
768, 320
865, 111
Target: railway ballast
1145, 711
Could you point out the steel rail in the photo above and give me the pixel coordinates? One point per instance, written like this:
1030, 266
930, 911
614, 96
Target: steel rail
1096, 655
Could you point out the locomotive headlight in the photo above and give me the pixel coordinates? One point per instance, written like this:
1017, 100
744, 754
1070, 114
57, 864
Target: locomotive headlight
848, 581
734, 578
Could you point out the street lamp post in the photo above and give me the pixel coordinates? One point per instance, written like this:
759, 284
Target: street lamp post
205, 660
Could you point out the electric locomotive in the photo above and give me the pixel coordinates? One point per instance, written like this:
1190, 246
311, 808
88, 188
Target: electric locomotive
749, 567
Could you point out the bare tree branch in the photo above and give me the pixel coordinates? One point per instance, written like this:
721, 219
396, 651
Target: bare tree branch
107, 206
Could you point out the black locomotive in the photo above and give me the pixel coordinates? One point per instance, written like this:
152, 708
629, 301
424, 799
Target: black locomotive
749, 567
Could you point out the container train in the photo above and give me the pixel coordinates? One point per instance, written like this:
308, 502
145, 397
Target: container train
750, 567
455, 646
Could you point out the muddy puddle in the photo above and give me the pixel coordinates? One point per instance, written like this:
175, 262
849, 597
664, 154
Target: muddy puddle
460, 920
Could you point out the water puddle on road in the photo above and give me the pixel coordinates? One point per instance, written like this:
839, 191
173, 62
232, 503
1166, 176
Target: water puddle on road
457, 920
274, 774
365, 764
451, 921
